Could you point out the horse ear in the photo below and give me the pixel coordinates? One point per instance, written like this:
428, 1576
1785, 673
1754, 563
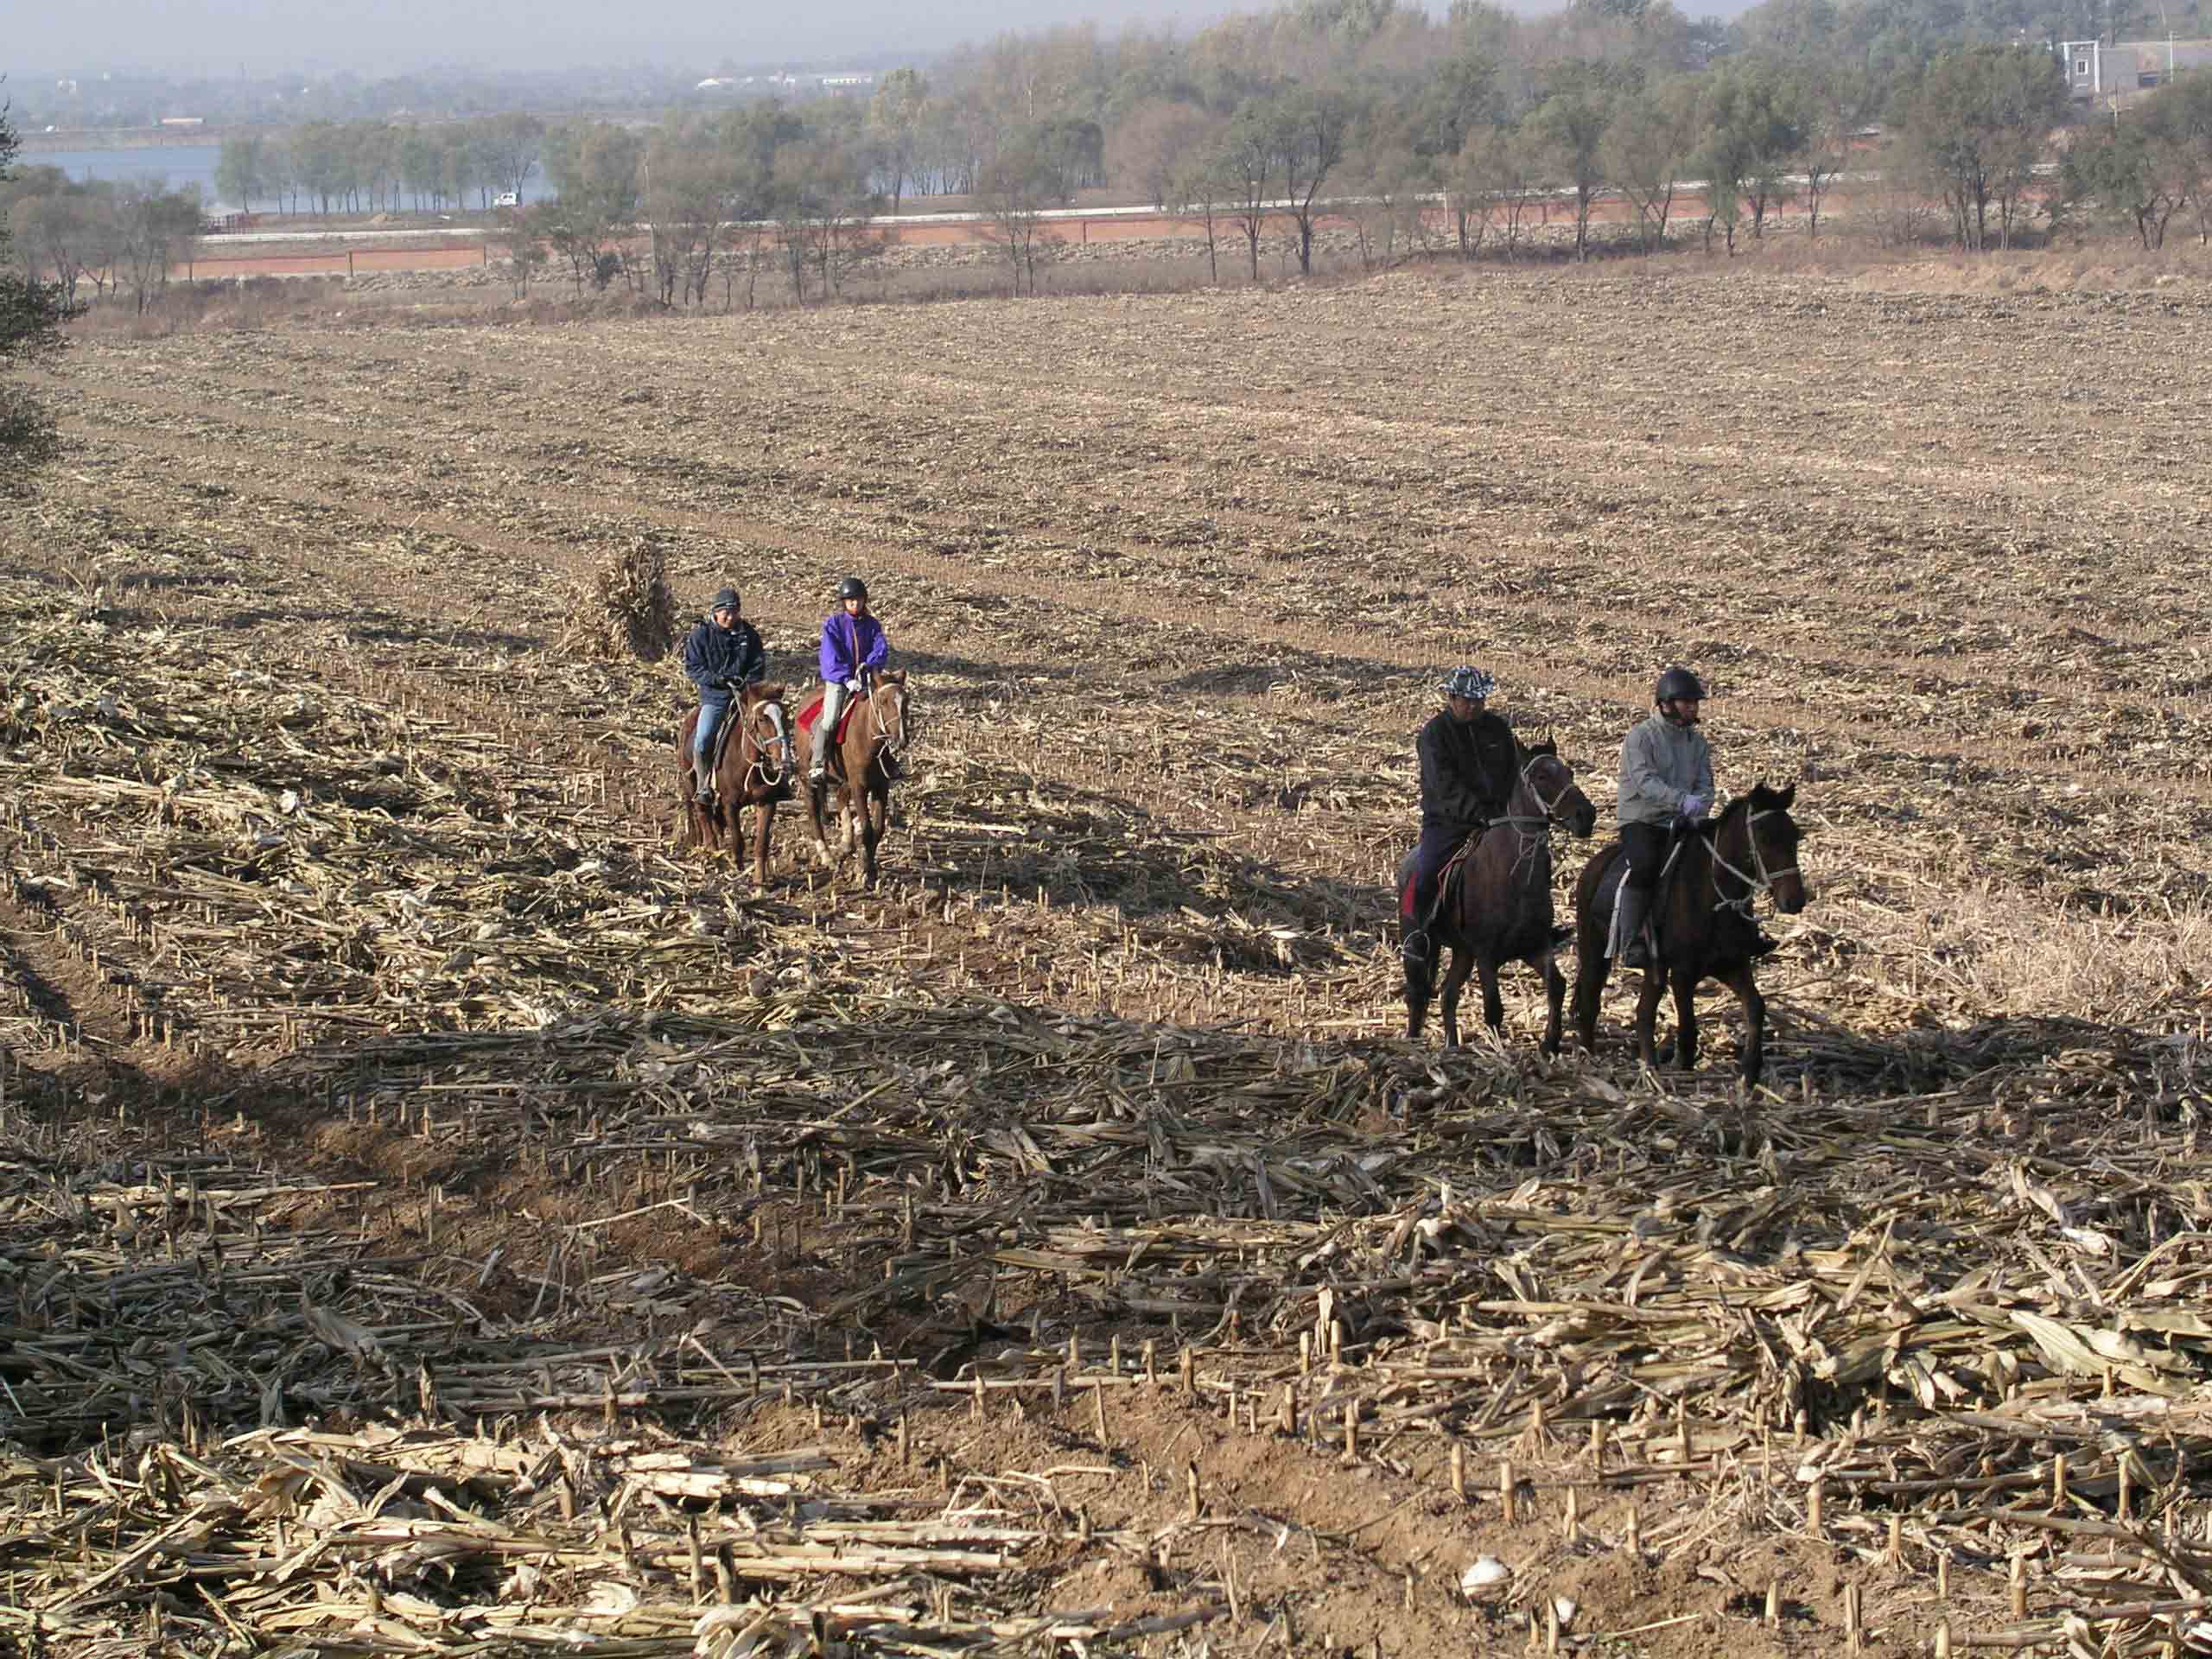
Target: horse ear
1787, 796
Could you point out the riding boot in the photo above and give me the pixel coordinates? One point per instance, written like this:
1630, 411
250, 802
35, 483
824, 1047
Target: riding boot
1635, 906
703, 773
706, 795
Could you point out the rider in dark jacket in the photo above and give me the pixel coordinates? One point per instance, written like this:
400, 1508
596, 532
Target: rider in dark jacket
1467, 780
724, 652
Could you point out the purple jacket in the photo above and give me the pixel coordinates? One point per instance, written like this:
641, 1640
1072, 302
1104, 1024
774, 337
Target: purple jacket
851, 643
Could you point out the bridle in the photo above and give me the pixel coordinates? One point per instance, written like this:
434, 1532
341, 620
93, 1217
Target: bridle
1754, 884
772, 756
1534, 832
885, 737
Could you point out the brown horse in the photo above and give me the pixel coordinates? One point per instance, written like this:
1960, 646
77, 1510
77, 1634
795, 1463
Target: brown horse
1503, 912
1702, 915
861, 768
752, 765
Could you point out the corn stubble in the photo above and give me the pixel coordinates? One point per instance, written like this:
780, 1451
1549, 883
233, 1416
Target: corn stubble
440, 1210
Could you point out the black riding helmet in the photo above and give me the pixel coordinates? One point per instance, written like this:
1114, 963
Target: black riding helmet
1678, 683
852, 587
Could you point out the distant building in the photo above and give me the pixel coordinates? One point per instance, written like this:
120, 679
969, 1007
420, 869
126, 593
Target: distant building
846, 83
2095, 70
183, 120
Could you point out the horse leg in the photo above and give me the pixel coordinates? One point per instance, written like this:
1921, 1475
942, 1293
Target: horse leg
1592, 968
816, 796
1647, 1015
873, 805
1420, 985
1739, 980
1486, 968
1462, 963
1555, 996
1685, 985
764, 823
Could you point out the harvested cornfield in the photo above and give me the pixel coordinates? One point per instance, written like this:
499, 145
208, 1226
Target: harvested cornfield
445, 1217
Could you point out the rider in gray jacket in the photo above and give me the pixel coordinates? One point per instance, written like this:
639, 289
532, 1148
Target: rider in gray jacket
1665, 780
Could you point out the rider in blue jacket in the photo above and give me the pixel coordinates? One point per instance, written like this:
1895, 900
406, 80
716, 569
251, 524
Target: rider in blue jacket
853, 649
723, 653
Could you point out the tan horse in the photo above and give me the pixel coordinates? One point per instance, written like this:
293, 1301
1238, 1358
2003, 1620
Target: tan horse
752, 765
862, 769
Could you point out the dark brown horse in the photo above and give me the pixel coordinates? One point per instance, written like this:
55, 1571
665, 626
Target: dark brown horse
1503, 912
862, 769
752, 765
1702, 915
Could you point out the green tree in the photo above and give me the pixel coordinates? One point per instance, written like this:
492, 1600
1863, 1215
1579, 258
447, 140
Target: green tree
1752, 137
894, 122
31, 316
1569, 127
1646, 149
241, 170
1981, 118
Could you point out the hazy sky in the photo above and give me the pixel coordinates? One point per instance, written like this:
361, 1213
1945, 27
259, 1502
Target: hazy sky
211, 37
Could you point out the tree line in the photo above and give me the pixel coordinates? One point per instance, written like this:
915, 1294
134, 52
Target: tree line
376, 166
1259, 126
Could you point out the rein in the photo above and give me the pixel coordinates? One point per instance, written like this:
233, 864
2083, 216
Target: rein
1754, 885
1533, 832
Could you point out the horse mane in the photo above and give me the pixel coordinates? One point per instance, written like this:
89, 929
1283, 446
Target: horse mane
893, 676
764, 694
1760, 797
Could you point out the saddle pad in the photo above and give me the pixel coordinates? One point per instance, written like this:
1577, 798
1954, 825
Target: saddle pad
812, 713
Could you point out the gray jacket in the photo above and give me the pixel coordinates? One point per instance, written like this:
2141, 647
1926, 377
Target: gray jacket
1661, 763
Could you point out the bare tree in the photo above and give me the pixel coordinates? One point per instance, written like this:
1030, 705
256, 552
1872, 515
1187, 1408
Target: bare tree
1016, 188
1247, 168
1313, 128
1195, 190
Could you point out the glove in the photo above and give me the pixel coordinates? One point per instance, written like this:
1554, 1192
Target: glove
1695, 807
853, 686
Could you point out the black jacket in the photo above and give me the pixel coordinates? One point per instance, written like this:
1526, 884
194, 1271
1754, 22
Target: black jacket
1467, 771
712, 655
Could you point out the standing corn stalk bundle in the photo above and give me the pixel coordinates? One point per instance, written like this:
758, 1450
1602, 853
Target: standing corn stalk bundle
627, 609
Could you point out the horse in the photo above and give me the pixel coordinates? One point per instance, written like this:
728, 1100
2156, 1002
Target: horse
1702, 915
864, 765
1503, 912
752, 765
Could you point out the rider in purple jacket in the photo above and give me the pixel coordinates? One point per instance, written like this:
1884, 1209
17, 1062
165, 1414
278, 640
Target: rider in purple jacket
853, 649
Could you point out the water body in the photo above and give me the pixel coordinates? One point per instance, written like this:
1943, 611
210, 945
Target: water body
180, 165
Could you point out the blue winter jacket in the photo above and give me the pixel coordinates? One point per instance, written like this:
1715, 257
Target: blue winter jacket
712, 655
851, 643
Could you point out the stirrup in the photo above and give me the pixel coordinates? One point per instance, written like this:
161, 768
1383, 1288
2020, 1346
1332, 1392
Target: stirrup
1415, 946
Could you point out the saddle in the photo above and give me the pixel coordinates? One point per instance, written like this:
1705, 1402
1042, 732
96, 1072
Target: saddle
1609, 897
1449, 882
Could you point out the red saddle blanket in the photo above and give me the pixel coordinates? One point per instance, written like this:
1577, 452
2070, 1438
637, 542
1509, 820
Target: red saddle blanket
812, 712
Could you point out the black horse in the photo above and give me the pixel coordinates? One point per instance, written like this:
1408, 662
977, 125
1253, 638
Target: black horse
1702, 915
1503, 912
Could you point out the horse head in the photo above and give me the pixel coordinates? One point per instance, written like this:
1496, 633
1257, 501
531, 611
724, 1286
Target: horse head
1771, 836
765, 726
887, 699
1551, 780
